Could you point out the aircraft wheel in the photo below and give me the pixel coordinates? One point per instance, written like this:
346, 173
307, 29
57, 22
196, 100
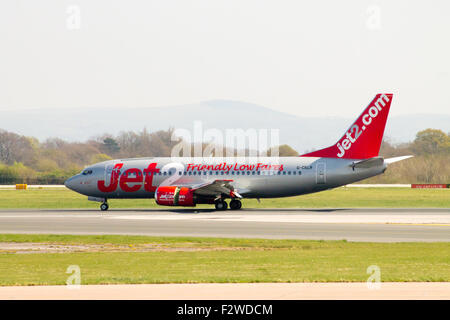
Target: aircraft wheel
104, 207
235, 204
221, 205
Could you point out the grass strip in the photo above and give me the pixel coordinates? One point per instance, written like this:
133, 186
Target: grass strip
244, 260
336, 198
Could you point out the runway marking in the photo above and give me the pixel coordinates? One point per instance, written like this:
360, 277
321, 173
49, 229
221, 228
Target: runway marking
418, 220
305, 218
422, 224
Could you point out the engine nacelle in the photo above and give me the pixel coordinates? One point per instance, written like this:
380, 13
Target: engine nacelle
174, 196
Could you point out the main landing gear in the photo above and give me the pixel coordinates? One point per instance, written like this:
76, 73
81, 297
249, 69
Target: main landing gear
221, 204
235, 204
104, 206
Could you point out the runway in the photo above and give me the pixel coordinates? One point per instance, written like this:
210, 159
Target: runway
374, 225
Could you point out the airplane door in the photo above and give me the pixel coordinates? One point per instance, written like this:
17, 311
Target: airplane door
108, 172
320, 173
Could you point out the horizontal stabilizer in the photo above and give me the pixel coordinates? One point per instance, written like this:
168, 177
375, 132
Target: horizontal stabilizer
376, 161
392, 160
368, 163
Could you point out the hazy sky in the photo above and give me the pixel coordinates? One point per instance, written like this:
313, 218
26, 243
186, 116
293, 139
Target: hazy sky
309, 58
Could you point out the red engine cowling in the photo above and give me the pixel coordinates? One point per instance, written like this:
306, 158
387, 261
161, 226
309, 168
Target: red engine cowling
174, 196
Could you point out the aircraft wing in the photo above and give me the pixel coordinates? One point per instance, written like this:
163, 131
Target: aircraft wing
216, 187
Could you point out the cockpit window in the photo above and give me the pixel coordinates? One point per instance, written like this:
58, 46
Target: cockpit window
86, 172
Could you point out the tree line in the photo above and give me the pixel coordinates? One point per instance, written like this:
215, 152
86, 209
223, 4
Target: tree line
27, 160
430, 164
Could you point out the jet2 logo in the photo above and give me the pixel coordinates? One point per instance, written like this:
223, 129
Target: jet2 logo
132, 175
355, 132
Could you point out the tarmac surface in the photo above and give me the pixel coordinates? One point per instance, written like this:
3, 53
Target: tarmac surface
377, 225
236, 291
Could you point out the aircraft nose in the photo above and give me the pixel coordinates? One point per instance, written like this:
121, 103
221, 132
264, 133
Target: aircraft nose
70, 183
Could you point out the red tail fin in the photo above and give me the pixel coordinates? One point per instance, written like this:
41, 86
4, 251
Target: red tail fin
363, 138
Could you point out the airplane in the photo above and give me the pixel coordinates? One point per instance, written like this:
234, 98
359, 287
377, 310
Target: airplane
208, 180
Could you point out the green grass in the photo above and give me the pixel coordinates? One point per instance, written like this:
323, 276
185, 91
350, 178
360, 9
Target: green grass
228, 260
340, 197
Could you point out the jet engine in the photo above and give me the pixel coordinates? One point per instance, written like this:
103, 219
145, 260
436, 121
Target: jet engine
175, 196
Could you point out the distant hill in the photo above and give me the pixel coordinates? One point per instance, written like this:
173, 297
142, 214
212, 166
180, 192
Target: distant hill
302, 133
